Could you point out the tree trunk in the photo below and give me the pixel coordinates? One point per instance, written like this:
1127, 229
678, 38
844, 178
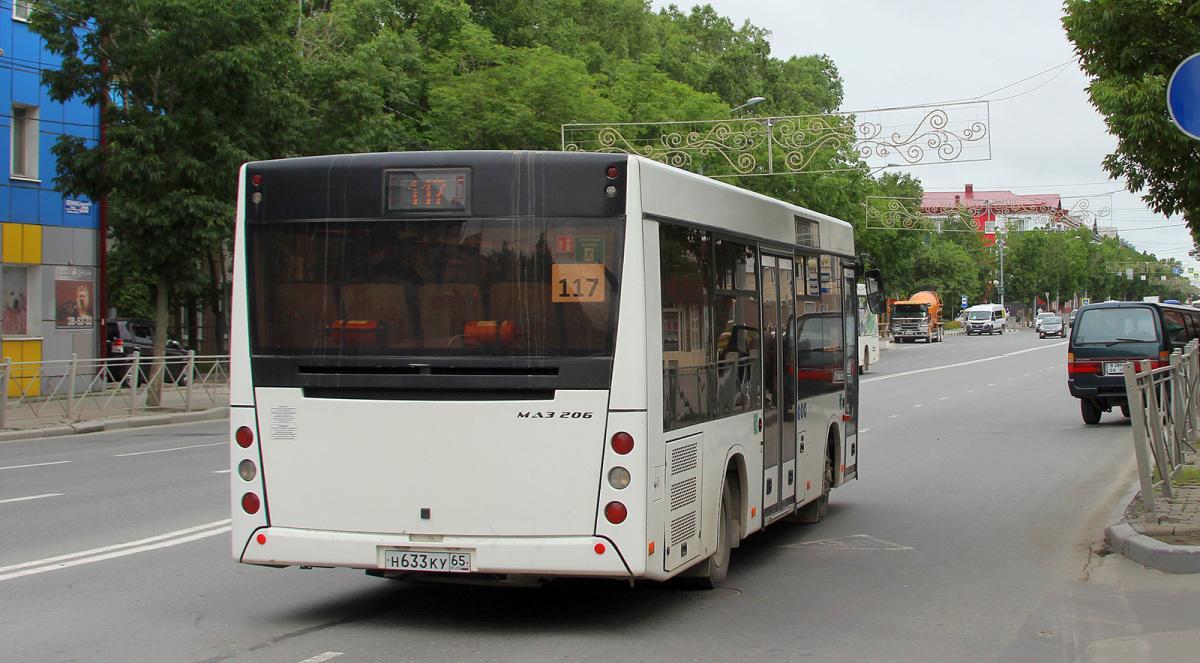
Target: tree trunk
216, 299
193, 307
158, 369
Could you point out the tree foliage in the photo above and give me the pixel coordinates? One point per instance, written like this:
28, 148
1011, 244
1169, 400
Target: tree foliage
1130, 48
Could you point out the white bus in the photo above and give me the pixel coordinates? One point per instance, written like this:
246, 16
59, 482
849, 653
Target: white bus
522, 365
868, 332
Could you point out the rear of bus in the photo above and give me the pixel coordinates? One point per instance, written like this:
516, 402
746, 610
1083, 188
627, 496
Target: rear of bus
423, 363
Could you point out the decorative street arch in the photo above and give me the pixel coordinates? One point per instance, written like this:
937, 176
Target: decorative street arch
752, 146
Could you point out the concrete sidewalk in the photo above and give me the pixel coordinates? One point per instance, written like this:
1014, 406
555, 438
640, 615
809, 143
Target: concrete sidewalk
1172, 544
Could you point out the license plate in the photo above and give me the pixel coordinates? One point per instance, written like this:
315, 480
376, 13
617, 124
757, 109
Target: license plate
435, 562
1114, 368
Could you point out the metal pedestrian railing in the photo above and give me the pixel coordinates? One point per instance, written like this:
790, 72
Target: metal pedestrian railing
1164, 404
73, 390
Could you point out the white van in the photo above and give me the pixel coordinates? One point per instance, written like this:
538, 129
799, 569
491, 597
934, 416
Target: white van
986, 319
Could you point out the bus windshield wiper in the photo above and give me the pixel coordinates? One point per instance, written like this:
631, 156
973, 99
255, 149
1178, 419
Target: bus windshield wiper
1126, 340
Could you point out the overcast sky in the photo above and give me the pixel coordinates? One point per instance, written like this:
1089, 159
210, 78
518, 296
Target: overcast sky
1047, 139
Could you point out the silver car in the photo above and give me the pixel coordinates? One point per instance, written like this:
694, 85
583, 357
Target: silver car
1051, 326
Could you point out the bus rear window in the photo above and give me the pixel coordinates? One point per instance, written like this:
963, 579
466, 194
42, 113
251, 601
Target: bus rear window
528, 287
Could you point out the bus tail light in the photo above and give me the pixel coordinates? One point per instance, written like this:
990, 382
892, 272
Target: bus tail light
622, 443
244, 437
615, 512
250, 503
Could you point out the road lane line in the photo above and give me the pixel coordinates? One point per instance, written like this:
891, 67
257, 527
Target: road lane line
943, 398
29, 497
18, 467
961, 363
116, 546
893, 416
220, 471
321, 658
918, 405
115, 554
163, 451
864, 430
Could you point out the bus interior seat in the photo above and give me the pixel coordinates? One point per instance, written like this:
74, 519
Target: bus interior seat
384, 302
444, 309
305, 308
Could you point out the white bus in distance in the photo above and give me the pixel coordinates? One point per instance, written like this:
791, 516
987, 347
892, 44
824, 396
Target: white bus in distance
868, 332
440, 365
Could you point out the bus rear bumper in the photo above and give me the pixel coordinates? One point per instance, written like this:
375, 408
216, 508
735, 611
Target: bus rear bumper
524, 555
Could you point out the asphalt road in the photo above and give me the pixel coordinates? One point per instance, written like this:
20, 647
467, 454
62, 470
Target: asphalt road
970, 536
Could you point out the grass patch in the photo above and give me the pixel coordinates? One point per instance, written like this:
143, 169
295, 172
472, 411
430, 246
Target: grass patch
952, 324
1188, 476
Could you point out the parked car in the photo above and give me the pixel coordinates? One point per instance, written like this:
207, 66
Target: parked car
1107, 336
124, 337
1052, 326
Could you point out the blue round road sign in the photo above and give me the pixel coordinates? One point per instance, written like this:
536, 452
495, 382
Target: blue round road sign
1183, 96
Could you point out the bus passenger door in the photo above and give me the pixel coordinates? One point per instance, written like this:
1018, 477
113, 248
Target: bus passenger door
850, 369
779, 402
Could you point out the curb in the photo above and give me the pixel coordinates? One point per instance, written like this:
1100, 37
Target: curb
1125, 538
211, 414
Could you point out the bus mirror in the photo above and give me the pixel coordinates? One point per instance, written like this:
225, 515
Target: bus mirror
874, 281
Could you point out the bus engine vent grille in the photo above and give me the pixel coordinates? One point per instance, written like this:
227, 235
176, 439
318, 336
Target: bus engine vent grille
684, 458
683, 493
683, 528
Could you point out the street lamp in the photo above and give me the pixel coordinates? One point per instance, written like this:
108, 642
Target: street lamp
752, 101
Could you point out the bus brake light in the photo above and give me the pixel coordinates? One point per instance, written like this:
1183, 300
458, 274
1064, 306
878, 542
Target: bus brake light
250, 503
615, 512
622, 443
244, 437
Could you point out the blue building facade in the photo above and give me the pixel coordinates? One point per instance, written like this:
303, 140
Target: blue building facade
49, 242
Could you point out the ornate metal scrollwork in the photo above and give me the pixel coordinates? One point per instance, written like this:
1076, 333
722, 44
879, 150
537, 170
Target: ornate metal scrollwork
906, 214
796, 144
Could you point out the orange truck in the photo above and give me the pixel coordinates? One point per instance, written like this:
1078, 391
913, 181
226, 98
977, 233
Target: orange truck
919, 316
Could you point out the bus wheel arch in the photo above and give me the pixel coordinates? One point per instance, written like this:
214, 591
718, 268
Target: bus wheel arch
736, 479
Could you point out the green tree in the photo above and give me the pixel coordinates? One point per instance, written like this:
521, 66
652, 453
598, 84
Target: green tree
189, 91
1130, 49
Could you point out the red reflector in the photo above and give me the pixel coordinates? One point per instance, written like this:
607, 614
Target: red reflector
616, 513
612, 172
250, 503
256, 180
261, 538
599, 548
622, 443
244, 436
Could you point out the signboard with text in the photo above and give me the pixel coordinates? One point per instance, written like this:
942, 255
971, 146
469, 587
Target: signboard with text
74, 290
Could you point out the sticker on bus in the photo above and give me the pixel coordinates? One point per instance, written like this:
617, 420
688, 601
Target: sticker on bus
577, 283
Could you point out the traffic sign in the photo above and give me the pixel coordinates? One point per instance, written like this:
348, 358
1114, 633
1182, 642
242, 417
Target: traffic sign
1084, 301
1183, 96
964, 301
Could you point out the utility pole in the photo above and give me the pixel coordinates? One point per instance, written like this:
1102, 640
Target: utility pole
1001, 242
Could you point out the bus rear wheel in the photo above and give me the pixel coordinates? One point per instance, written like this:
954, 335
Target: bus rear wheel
817, 509
711, 573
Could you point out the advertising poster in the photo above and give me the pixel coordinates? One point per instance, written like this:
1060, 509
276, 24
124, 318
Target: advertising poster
74, 297
15, 311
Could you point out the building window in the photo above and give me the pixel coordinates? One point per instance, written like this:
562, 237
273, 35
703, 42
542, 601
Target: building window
21, 9
24, 142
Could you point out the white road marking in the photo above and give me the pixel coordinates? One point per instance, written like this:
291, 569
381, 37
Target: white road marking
29, 497
943, 398
864, 430
962, 363
918, 405
321, 658
163, 451
893, 416
1026, 375
970, 391
220, 471
991, 384
18, 467
167, 540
